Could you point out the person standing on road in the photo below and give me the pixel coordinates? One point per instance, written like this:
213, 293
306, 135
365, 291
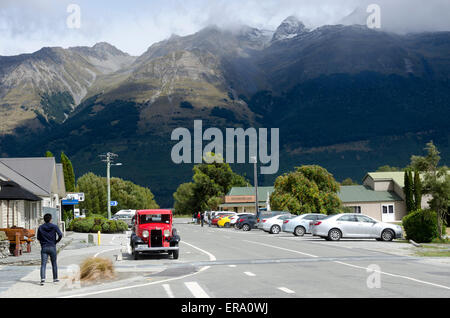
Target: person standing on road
46, 235
198, 217
202, 218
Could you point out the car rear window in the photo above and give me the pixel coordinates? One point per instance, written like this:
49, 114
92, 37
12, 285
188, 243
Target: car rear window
154, 218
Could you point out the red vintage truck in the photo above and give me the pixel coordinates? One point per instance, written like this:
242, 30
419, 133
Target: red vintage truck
152, 232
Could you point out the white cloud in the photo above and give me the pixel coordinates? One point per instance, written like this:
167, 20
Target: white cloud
133, 25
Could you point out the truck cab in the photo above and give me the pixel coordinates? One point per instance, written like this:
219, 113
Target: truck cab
152, 232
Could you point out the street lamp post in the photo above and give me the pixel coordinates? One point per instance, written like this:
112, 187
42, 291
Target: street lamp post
109, 157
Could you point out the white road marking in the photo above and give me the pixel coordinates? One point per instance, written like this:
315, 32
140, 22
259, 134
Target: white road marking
168, 290
355, 266
395, 275
211, 257
111, 249
196, 290
249, 274
282, 248
228, 266
286, 290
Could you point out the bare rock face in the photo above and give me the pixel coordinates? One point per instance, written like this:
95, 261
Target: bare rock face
289, 28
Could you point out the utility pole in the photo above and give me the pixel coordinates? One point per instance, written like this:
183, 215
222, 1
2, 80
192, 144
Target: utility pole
109, 158
256, 186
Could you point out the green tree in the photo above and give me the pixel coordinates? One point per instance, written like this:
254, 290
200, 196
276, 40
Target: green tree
308, 189
348, 182
417, 190
126, 193
409, 191
436, 182
49, 154
69, 175
387, 168
211, 181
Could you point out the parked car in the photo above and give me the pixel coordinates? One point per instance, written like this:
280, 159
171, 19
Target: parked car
153, 233
300, 225
230, 220
246, 222
349, 225
123, 217
273, 225
220, 215
266, 215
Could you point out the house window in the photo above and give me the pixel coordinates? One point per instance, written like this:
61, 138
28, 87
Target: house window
388, 209
356, 209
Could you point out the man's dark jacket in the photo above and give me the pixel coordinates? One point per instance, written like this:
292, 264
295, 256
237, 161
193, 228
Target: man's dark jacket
47, 235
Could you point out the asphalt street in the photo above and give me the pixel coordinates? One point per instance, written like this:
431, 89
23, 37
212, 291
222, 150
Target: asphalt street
227, 263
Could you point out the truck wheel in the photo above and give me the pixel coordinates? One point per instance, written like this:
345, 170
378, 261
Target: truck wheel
175, 254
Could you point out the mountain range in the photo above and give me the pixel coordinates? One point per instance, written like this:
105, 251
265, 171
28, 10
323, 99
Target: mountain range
344, 96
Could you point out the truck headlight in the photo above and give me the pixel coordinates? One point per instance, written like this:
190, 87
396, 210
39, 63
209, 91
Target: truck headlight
166, 233
145, 233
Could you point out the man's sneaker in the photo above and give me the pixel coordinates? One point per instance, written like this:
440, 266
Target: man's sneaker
56, 280
42, 282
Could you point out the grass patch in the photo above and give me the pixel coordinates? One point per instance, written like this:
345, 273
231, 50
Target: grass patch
96, 268
438, 253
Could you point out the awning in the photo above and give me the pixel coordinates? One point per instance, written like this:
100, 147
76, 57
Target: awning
9, 190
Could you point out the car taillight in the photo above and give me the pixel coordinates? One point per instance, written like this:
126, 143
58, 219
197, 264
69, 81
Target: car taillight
264, 220
241, 220
317, 223
285, 221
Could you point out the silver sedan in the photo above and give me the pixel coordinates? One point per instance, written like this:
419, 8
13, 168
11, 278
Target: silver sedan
300, 225
349, 225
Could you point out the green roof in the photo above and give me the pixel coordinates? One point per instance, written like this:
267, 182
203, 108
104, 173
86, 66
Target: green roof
262, 192
360, 193
396, 176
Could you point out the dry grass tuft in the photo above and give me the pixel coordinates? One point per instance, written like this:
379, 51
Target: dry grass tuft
96, 268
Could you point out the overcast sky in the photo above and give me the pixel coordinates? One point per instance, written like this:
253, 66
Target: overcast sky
133, 25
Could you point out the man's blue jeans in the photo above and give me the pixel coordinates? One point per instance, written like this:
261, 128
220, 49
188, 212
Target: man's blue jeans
45, 253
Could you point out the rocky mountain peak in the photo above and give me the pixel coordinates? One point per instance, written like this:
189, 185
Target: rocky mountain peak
289, 28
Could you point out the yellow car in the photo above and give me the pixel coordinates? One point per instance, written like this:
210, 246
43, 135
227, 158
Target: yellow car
224, 221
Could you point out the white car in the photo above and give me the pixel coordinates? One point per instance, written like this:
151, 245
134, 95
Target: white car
349, 225
274, 224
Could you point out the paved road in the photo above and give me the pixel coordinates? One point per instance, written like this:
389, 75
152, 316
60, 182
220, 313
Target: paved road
228, 263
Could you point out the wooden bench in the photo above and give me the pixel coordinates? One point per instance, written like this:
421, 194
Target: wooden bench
18, 236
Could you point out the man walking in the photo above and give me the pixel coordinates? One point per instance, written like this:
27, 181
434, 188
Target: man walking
46, 235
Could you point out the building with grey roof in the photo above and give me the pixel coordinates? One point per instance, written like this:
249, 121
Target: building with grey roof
42, 177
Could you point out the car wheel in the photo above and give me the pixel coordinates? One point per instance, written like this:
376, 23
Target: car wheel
334, 235
245, 227
387, 235
299, 231
175, 254
275, 229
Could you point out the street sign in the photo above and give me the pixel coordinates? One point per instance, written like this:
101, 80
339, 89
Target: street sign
69, 202
75, 196
113, 203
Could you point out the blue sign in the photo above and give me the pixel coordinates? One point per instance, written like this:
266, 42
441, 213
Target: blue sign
113, 203
69, 202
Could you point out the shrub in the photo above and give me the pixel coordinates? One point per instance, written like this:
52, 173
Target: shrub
96, 228
95, 224
421, 226
121, 225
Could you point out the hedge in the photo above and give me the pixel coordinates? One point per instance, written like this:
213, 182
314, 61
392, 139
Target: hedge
421, 226
96, 223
